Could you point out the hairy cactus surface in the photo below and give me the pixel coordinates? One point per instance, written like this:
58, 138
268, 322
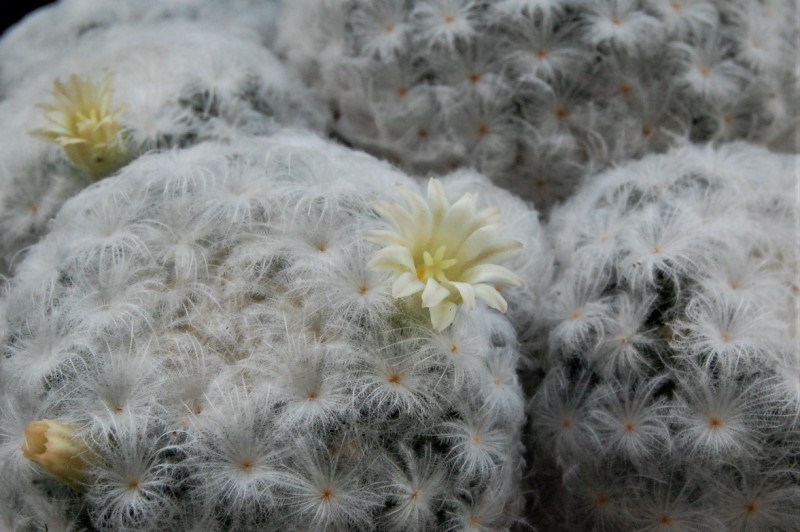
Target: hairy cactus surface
671, 399
539, 93
51, 34
170, 84
212, 319
207, 328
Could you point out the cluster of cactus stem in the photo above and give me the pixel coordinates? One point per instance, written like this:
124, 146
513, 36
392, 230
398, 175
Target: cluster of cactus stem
206, 323
215, 318
670, 351
123, 93
537, 94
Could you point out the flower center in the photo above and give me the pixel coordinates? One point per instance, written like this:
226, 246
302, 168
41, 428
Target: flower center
434, 266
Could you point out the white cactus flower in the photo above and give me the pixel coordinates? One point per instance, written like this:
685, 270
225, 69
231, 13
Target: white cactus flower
83, 122
443, 251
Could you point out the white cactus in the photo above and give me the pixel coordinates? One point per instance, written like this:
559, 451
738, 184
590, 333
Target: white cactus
671, 354
224, 354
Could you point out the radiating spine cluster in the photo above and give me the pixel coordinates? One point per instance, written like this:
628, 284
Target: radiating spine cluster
113, 99
670, 396
538, 94
215, 320
224, 354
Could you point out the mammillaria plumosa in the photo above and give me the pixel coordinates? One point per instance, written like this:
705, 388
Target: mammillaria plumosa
539, 93
53, 33
207, 322
169, 84
671, 399
211, 328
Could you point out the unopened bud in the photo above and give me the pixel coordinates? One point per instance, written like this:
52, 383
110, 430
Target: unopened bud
53, 446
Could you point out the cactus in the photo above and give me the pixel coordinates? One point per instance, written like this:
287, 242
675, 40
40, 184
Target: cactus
671, 392
213, 323
207, 325
539, 93
53, 33
174, 84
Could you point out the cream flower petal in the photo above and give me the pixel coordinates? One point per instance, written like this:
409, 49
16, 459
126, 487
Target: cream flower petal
407, 284
69, 141
442, 251
396, 215
490, 273
443, 315
437, 198
393, 258
489, 215
501, 249
55, 116
458, 221
478, 242
490, 296
433, 294
419, 209
467, 292
384, 238
84, 124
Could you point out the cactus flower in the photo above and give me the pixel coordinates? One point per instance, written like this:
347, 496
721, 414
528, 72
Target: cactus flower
85, 125
443, 252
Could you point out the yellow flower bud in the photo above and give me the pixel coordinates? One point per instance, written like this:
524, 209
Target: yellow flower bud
53, 446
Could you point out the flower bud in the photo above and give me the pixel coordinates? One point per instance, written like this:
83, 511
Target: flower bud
53, 446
